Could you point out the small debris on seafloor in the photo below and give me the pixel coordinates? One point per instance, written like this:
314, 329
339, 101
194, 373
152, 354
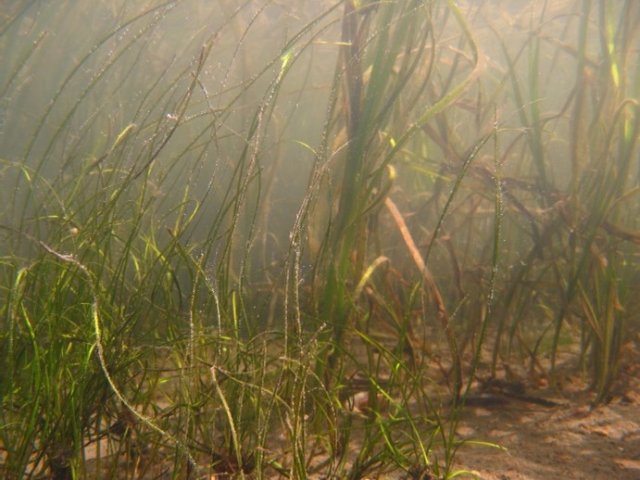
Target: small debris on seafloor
360, 404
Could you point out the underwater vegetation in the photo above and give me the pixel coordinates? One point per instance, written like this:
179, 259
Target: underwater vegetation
271, 238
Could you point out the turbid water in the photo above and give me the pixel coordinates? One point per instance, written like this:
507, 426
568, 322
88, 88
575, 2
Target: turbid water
293, 238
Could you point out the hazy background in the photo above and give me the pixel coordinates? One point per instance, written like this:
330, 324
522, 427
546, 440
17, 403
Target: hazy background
105, 82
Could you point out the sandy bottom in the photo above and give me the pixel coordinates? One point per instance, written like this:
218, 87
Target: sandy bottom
569, 441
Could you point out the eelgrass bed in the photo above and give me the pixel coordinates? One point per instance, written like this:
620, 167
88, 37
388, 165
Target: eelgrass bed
285, 239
